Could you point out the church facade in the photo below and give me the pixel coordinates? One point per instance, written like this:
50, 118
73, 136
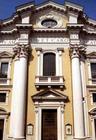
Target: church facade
48, 73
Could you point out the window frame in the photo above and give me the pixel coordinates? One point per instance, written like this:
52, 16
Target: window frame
59, 60
54, 64
91, 71
89, 62
92, 97
5, 60
7, 97
1, 68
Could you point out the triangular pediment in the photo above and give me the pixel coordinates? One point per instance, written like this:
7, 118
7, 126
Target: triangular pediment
5, 54
51, 4
49, 95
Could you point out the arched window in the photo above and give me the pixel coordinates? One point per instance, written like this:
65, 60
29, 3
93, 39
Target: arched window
49, 64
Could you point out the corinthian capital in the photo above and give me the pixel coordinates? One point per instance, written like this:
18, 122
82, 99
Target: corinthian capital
21, 51
77, 50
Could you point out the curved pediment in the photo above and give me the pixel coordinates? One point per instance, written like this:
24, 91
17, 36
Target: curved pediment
92, 111
91, 55
3, 111
49, 95
5, 54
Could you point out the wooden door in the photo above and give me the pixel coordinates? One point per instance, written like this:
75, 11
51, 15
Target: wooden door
1, 129
49, 124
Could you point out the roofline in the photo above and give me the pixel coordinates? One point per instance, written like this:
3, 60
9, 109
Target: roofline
41, 5
74, 5
22, 6
30, 4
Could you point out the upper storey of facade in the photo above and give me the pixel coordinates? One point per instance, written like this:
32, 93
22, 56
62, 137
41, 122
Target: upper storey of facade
40, 24
49, 29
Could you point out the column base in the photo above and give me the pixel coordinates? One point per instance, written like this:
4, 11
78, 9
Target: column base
11, 138
83, 138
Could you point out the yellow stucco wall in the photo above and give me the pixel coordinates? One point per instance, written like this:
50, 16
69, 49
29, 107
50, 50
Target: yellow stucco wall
68, 116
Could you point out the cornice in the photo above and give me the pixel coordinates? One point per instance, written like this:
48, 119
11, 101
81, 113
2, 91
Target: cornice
51, 4
9, 21
89, 31
24, 26
49, 30
74, 6
25, 6
9, 32
92, 22
74, 26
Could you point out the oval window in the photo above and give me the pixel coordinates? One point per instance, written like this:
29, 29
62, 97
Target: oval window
49, 23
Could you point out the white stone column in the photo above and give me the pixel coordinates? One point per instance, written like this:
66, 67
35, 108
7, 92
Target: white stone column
17, 121
85, 104
77, 94
14, 96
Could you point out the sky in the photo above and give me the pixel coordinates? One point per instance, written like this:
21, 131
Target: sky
7, 7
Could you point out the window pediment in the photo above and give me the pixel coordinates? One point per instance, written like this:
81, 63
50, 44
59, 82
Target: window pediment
91, 55
49, 95
92, 111
6, 55
3, 111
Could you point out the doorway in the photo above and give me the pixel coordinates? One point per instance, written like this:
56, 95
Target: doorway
49, 124
1, 128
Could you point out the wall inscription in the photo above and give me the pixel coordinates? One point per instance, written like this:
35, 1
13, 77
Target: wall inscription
90, 42
50, 40
5, 42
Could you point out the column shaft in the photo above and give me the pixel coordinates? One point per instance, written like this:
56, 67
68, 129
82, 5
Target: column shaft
14, 96
17, 121
85, 104
21, 99
77, 97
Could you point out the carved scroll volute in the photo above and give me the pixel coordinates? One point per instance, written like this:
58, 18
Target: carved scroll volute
77, 50
21, 51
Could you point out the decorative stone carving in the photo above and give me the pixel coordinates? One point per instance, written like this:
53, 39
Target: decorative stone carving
21, 51
77, 50
52, 15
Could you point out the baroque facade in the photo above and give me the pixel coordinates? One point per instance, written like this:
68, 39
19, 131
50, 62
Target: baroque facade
48, 73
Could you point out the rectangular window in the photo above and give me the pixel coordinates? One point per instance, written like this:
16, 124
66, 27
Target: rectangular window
4, 70
94, 97
2, 97
93, 72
